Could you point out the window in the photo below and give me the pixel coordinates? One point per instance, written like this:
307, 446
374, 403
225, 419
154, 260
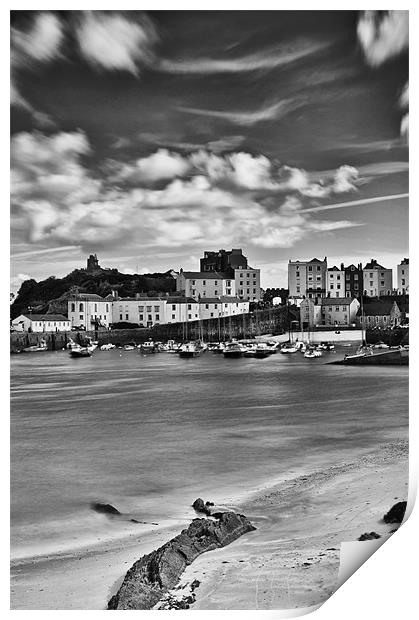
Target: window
150, 318
318, 278
371, 275
148, 308
95, 307
337, 308
81, 317
371, 283
204, 282
120, 317
73, 307
196, 316
212, 314
382, 283
254, 276
126, 317
331, 275
193, 282
81, 308
216, 306
347, 277
331, 286
216, 292
189, 316
338, 277
173, 316
355, 286
403, 281
206, 306
140, 308
310, 268
156, 308
298, 289
141, 317
382, 274
352, 268
248, 291
348, 286
193, 292
107, 307
254, 291
338, 286
402, 272
189, 306
157, 317
225, 305
173, 306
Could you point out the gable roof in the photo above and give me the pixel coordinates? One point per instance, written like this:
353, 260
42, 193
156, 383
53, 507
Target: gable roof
378, 308
205, 275
45, 317
86, 297
337, 301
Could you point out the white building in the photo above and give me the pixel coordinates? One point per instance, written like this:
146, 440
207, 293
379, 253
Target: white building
335, 282
199, 284
89, 311
377, 279
144, 311
181, 309
403, 277
41, 323
214, 307
247, 284
307, 278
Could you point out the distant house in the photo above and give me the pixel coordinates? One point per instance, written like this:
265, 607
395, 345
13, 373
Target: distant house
41, 323
89, 311
380, 314
339, 310
403, 277
377, 279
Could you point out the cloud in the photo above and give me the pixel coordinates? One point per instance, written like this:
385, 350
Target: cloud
274, 111
160, 165
383, 37
114, 42
30, 49
271, 58
205, 198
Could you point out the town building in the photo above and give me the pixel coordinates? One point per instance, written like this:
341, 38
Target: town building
310, 313
353, 280
223, 261
199, 284
335, 282
307, 278
247, 284
180, 309
380, 314
403, 277
211, 308
144, 311
377, 279
89, 311
339, 311
41, 323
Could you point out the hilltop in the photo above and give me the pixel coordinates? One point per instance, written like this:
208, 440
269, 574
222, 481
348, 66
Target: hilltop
51, 294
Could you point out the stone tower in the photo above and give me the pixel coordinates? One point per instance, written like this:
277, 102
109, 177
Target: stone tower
92, 263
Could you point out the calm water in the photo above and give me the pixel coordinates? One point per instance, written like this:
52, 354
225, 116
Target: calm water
149, 434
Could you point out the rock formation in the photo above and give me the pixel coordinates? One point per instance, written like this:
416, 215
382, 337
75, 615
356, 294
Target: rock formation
396, 513
157, 572
369, 536
105, 508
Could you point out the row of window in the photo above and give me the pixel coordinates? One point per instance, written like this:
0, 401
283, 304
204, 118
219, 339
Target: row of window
204, 282
81, 307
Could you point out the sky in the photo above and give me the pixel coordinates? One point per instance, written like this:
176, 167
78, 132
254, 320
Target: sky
149, 138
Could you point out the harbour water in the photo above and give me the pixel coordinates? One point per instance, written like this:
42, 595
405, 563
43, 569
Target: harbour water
150, 433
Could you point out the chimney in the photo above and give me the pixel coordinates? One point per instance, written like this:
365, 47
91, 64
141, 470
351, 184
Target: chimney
342, 268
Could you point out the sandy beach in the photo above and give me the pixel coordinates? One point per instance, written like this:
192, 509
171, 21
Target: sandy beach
290, 561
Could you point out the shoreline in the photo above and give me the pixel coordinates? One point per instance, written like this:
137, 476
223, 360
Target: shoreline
289, 530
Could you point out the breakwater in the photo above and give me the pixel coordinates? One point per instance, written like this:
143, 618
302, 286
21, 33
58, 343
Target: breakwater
267, 321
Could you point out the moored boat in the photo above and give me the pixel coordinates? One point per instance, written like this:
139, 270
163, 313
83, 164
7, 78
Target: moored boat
289, 348
147, 347
190, 349
233, 349
80, 352
37, 348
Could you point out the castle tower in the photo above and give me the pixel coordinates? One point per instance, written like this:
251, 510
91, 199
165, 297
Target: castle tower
92, 263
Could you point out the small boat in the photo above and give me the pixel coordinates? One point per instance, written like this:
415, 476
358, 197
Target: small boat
310, 353
190, 349
80, 352
129, 347
147, 347
263, 350
107, 347
37, 348
219, 349
381, 345
289, 348
326, 346
250, 351
233, 349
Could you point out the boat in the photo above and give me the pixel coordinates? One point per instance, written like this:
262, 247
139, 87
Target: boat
147, 347
37, 348
289, 348
130, 346
80, 352
107, 347
311, 353
219, 349
233, 349
394, 357
263, 350
326, 346
250, 351
190, 349
381, 345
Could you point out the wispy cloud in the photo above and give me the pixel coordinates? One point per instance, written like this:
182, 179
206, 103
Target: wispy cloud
355, 203
63, 248
270, 58
266, 113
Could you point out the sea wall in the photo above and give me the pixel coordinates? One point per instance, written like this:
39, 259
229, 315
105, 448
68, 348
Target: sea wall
269, 321
329, 335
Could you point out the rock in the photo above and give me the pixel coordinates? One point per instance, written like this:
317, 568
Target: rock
105, 508
159, 571
396, 513
199, 506
369, 536
209, 503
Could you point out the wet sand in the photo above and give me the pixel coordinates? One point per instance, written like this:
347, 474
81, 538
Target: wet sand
290, 561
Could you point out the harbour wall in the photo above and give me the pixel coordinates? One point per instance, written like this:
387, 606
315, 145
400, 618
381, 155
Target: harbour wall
267, 321
331, 335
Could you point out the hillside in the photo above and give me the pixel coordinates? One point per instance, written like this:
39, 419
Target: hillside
52, 294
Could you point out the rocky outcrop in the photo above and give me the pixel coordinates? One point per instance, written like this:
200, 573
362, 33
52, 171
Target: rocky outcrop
396, 513
200, 506
105, 508
369, 536
157, 572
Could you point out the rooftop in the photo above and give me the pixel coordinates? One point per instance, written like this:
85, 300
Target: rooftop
337, 301
205, 275
45, 317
